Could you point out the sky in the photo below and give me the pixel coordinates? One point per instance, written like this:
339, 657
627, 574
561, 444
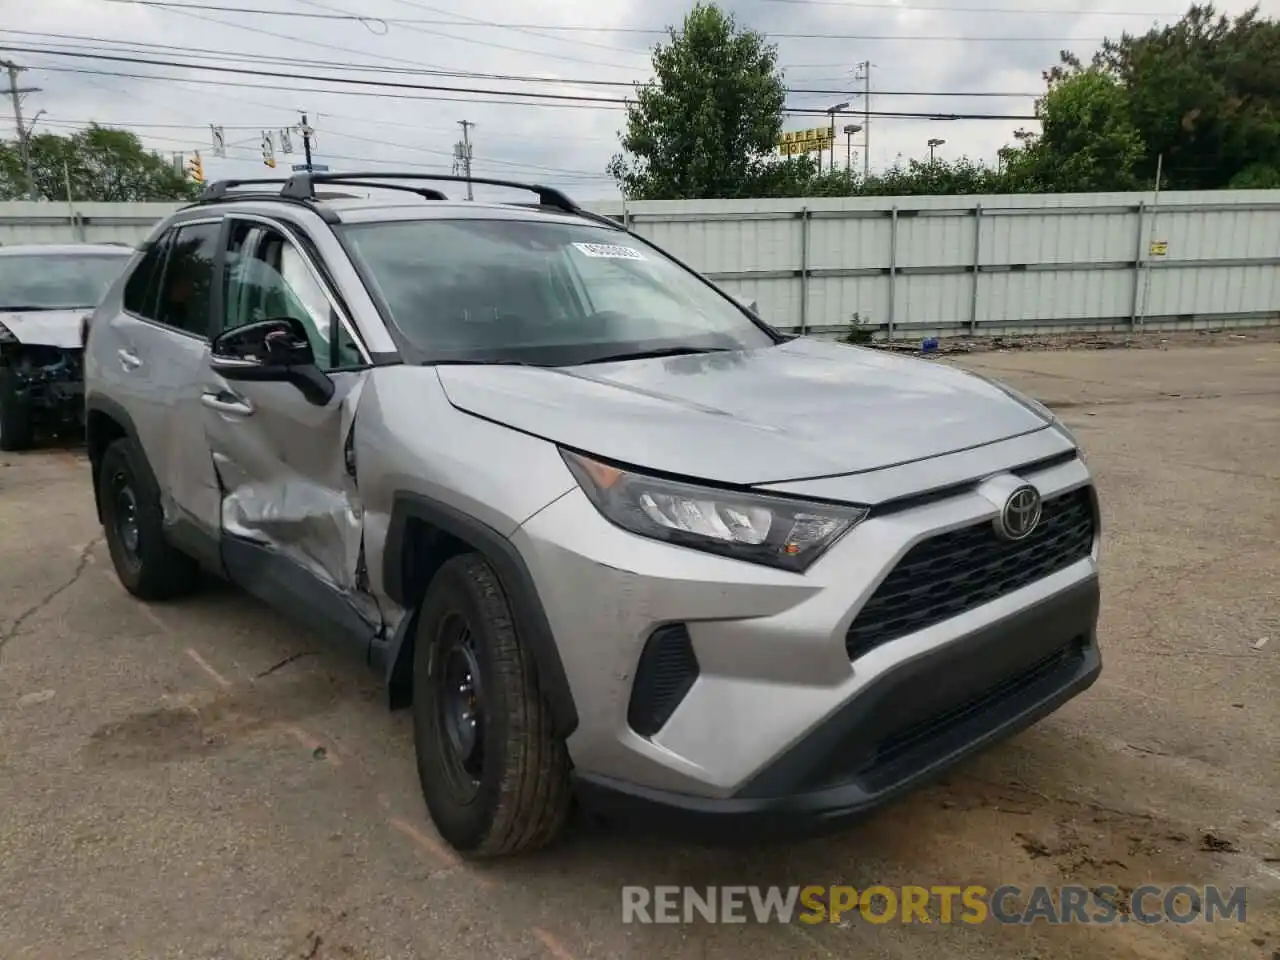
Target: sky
927, 56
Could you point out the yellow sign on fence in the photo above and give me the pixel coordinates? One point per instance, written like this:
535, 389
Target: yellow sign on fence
795, 142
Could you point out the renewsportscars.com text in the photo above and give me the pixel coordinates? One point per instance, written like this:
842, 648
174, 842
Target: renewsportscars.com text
1068, 904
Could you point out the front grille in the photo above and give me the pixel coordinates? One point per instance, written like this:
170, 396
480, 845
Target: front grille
667, 669
946, 575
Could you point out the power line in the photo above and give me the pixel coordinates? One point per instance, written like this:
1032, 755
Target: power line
518, 164
384, 95
469, 74
1043, 11
358, 81
540, 98
528, 31
529, 28
347, 50
199, 53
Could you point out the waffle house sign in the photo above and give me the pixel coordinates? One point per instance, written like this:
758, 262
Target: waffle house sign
815, 140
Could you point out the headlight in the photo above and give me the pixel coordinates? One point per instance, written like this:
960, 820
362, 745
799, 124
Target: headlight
777, 531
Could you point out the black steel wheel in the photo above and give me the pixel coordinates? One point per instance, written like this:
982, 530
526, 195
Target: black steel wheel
458, 692
125, 518
148, 566
494, 776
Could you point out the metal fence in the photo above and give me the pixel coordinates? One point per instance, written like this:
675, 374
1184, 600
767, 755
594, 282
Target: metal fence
942, 266
922, 266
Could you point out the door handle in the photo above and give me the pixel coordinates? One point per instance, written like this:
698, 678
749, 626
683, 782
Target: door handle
225, 402
128, 359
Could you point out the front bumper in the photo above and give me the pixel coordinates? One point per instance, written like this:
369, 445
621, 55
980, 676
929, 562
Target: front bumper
916, 721
783, 709
49, 381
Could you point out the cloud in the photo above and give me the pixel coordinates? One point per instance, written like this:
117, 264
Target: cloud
567, 146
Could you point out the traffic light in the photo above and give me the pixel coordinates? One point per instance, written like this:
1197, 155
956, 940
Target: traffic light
195, 167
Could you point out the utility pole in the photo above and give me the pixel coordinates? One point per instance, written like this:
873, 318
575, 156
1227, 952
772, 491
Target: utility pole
463, 152
866, 119
15, 94
306, 141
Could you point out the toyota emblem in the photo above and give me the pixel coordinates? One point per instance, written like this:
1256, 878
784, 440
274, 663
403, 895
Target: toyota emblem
1020, 515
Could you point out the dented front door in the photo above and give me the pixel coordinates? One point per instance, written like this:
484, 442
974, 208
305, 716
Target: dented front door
283, 464
283, 475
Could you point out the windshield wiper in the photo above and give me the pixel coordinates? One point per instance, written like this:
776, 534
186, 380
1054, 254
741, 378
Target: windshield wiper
33, 308
658, 352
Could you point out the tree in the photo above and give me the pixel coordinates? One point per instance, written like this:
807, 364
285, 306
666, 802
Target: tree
101, 164
1088, 142
1202, 93
708, 124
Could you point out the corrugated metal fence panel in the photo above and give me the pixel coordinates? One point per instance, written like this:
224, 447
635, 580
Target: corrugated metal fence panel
1000, 263
1040, 263
27, 222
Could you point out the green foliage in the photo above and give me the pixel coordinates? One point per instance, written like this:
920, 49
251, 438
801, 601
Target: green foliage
707, 126
1088, 141
102, 165
1203, 94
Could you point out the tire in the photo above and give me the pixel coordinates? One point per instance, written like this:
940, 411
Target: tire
17, 432
518, 799
148, 566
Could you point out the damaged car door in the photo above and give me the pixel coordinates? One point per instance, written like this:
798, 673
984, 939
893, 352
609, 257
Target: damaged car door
278, 399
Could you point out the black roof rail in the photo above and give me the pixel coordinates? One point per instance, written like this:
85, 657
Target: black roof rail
218, 189
301, 186
425, 192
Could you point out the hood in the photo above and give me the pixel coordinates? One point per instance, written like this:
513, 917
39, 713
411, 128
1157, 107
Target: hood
801, 409
50, 328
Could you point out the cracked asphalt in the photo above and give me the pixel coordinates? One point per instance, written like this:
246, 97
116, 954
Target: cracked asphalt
204, 780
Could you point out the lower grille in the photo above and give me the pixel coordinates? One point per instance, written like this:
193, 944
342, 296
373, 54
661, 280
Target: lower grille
666, 672
951, 573
902, 753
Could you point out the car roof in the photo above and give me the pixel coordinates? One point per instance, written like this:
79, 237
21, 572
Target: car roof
61, 249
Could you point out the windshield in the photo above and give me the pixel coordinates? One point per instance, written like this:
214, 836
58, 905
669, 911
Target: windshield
541, 292
58, 281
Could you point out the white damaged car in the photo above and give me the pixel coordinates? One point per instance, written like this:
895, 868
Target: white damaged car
45, 292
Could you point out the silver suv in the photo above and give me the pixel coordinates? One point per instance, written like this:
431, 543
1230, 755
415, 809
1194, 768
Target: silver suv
608, 534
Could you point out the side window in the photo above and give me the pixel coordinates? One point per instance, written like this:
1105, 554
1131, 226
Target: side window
240, 295
143, 284
186, 295
271, 279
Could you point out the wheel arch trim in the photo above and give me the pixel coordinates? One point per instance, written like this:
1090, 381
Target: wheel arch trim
112, 409
532, 626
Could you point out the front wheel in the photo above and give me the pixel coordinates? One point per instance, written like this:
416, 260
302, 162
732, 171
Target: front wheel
494, 776
17, 431
133, 521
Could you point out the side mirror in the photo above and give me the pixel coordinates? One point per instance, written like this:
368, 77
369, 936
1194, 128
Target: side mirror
274, 350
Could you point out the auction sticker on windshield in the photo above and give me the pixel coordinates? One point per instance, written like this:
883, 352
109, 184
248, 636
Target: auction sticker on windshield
610, 251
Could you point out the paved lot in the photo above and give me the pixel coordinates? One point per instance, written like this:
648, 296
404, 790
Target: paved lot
202, 780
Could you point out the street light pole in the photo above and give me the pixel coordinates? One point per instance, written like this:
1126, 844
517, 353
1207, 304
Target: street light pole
831, 112
934, 143
849, 130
